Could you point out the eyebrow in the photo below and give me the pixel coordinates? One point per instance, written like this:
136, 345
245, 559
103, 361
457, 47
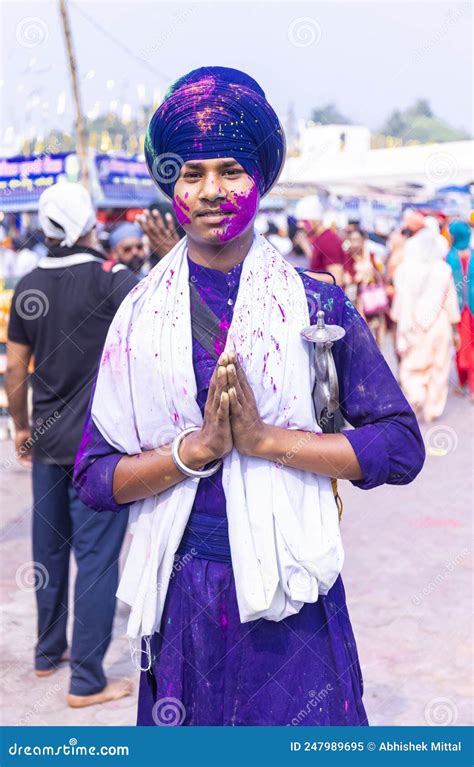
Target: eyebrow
196, 165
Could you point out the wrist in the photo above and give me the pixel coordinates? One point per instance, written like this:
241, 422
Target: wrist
264, 444
193, 453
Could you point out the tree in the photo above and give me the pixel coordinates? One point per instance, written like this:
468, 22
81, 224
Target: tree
421, 108
329, 115
395, 125
418, 123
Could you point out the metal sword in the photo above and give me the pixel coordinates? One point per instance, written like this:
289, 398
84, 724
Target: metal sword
326, 387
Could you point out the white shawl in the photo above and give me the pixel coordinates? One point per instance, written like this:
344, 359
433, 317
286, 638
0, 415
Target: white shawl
283, 522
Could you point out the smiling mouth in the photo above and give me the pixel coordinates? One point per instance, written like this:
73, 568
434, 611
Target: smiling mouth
215, 216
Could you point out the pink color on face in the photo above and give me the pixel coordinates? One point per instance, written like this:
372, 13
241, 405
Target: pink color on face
244, 207
182, 203
179, 207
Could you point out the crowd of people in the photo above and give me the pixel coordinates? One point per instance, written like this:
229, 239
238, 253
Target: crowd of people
397, 277
412, 282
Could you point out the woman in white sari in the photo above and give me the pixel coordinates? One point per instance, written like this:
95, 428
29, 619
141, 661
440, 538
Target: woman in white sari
426, 312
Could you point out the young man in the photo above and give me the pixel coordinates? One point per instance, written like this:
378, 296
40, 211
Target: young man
233, 573
60, 315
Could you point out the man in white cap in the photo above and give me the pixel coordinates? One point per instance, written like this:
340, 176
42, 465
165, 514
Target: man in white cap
60, 315
319, 242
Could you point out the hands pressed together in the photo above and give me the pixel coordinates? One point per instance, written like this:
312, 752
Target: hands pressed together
231, 417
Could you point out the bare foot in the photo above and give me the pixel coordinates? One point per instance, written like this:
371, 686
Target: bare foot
65, 658
114, 690
45, 672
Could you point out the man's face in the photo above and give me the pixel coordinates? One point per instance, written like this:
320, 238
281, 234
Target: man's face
356, 242
130, 252
413, 220
306, 226
215, 200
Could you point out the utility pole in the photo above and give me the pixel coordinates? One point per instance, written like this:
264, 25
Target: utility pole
82, 152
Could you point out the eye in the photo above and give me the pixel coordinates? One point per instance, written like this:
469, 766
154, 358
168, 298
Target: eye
233, 171
191, 174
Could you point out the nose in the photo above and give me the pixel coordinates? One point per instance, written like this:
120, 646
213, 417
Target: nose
210, 189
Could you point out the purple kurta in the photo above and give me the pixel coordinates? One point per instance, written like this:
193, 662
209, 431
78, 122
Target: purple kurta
303, 670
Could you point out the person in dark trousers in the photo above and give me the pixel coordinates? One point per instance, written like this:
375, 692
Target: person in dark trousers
60, 315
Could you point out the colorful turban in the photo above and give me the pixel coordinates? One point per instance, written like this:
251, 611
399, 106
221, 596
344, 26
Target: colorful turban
461, 234
124, 231
215, 112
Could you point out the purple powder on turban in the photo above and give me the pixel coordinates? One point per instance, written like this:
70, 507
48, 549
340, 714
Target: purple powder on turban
215, 112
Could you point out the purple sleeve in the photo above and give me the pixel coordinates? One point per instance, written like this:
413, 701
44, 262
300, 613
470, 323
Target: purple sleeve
386, 438
94, 468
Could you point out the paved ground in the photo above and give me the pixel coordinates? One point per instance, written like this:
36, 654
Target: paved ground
407, 578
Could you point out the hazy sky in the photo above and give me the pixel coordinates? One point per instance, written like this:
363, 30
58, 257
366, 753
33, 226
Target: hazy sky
367, 57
